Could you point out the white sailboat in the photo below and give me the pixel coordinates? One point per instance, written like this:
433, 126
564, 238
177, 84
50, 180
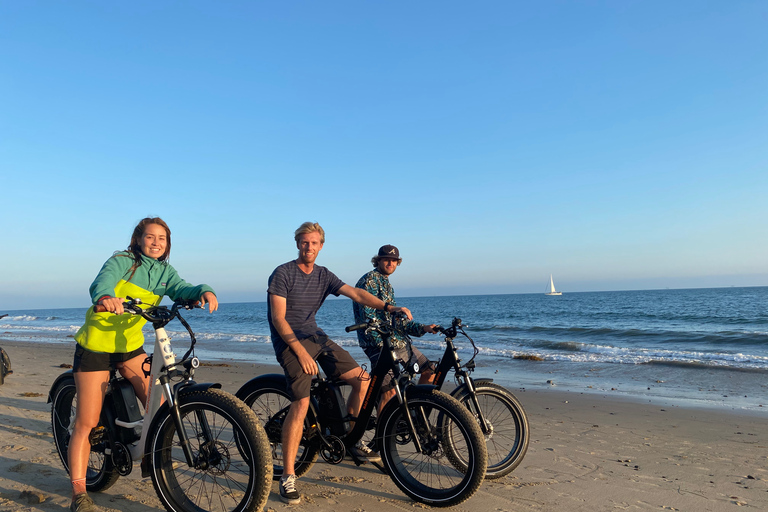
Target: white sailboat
551, 289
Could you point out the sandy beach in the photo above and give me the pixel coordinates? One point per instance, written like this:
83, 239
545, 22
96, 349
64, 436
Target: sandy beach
587, 453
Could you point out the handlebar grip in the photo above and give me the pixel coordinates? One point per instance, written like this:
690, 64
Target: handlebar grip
356, 327
98, 308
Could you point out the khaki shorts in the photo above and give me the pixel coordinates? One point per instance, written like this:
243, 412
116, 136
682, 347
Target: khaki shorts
334, 360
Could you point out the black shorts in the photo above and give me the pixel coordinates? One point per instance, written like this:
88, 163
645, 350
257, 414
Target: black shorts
89, 361
334, 361
374, 353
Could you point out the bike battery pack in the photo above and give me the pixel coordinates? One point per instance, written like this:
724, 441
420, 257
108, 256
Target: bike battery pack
331, 409
126, 405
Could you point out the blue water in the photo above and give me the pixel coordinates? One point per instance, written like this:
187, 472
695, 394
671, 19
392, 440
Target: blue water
705, 347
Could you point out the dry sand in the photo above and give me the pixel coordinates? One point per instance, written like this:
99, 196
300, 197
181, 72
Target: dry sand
587, 453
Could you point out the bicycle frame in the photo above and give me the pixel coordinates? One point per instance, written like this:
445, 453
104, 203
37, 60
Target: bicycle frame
163, 368
385, 363
451, 361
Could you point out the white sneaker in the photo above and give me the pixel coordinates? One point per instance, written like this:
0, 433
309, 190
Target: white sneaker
288, 492
361, 451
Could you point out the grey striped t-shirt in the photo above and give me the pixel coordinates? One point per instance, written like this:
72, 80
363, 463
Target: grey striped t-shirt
304, 294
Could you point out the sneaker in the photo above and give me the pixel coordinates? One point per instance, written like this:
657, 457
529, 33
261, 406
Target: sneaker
288, 492
362, 451
83, 503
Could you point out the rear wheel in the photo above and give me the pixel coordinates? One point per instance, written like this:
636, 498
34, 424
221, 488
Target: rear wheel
427, 475
230, 471
271, 403
101, 473
506, 436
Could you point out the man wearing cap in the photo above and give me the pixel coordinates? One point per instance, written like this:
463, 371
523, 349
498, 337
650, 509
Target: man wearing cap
376, 282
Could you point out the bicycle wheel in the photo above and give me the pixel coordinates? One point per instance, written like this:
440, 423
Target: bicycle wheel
271, 403
101, 473
428, 476
507, 438
5, 366
224, 436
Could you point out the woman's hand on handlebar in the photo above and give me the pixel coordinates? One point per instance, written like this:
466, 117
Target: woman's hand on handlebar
210, 299
113, 305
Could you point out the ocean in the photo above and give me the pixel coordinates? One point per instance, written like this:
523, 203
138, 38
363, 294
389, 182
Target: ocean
694, 347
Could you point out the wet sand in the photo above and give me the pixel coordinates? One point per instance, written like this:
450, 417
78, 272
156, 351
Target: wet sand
587, 453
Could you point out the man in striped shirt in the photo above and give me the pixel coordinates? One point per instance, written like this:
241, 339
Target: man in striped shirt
296, 291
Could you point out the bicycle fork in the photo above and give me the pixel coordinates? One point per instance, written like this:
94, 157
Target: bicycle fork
163, 363
486, 428
404, 405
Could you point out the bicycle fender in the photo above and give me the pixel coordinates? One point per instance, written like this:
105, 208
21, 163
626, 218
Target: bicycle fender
272, 379
67, 375
419, 388
197, 386
460, 390
178, 393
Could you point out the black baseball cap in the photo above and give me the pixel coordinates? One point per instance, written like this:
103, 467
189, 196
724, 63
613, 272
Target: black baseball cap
389, 251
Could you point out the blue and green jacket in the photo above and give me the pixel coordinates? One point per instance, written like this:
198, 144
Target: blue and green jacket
150, 281
377, 284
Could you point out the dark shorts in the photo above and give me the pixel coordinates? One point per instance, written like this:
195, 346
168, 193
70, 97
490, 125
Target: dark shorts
374, 353
334, 360
89, 361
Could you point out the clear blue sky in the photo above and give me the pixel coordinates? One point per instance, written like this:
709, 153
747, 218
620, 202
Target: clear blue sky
616, 145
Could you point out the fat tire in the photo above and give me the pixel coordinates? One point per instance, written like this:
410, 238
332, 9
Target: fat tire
270, 404
101, 473
508, 442
5, 365
232, 481
445, 486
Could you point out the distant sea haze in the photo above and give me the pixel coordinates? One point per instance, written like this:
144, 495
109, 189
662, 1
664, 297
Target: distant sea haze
705, 347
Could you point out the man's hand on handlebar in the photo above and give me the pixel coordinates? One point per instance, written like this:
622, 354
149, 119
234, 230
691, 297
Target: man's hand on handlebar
401, 311
431, 328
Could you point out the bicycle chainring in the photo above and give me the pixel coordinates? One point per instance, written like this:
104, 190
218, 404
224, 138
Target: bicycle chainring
122, 460
334, 452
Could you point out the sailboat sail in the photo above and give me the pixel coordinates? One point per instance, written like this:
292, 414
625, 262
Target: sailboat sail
551, 290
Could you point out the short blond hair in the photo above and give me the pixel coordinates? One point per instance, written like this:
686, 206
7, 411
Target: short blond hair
310, 227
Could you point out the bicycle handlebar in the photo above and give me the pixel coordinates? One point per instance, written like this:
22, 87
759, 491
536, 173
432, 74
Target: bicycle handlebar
356, 327
132, 307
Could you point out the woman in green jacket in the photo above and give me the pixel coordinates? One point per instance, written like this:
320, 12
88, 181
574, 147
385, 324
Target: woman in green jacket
113, 339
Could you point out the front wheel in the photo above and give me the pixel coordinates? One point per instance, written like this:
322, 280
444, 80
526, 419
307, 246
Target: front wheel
506, 433
230, 471
101, 473
271, 403
427, 475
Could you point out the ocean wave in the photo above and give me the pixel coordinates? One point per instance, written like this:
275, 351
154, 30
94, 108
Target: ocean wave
634, 356
631, 335
22, 318
237, 338
44, 329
